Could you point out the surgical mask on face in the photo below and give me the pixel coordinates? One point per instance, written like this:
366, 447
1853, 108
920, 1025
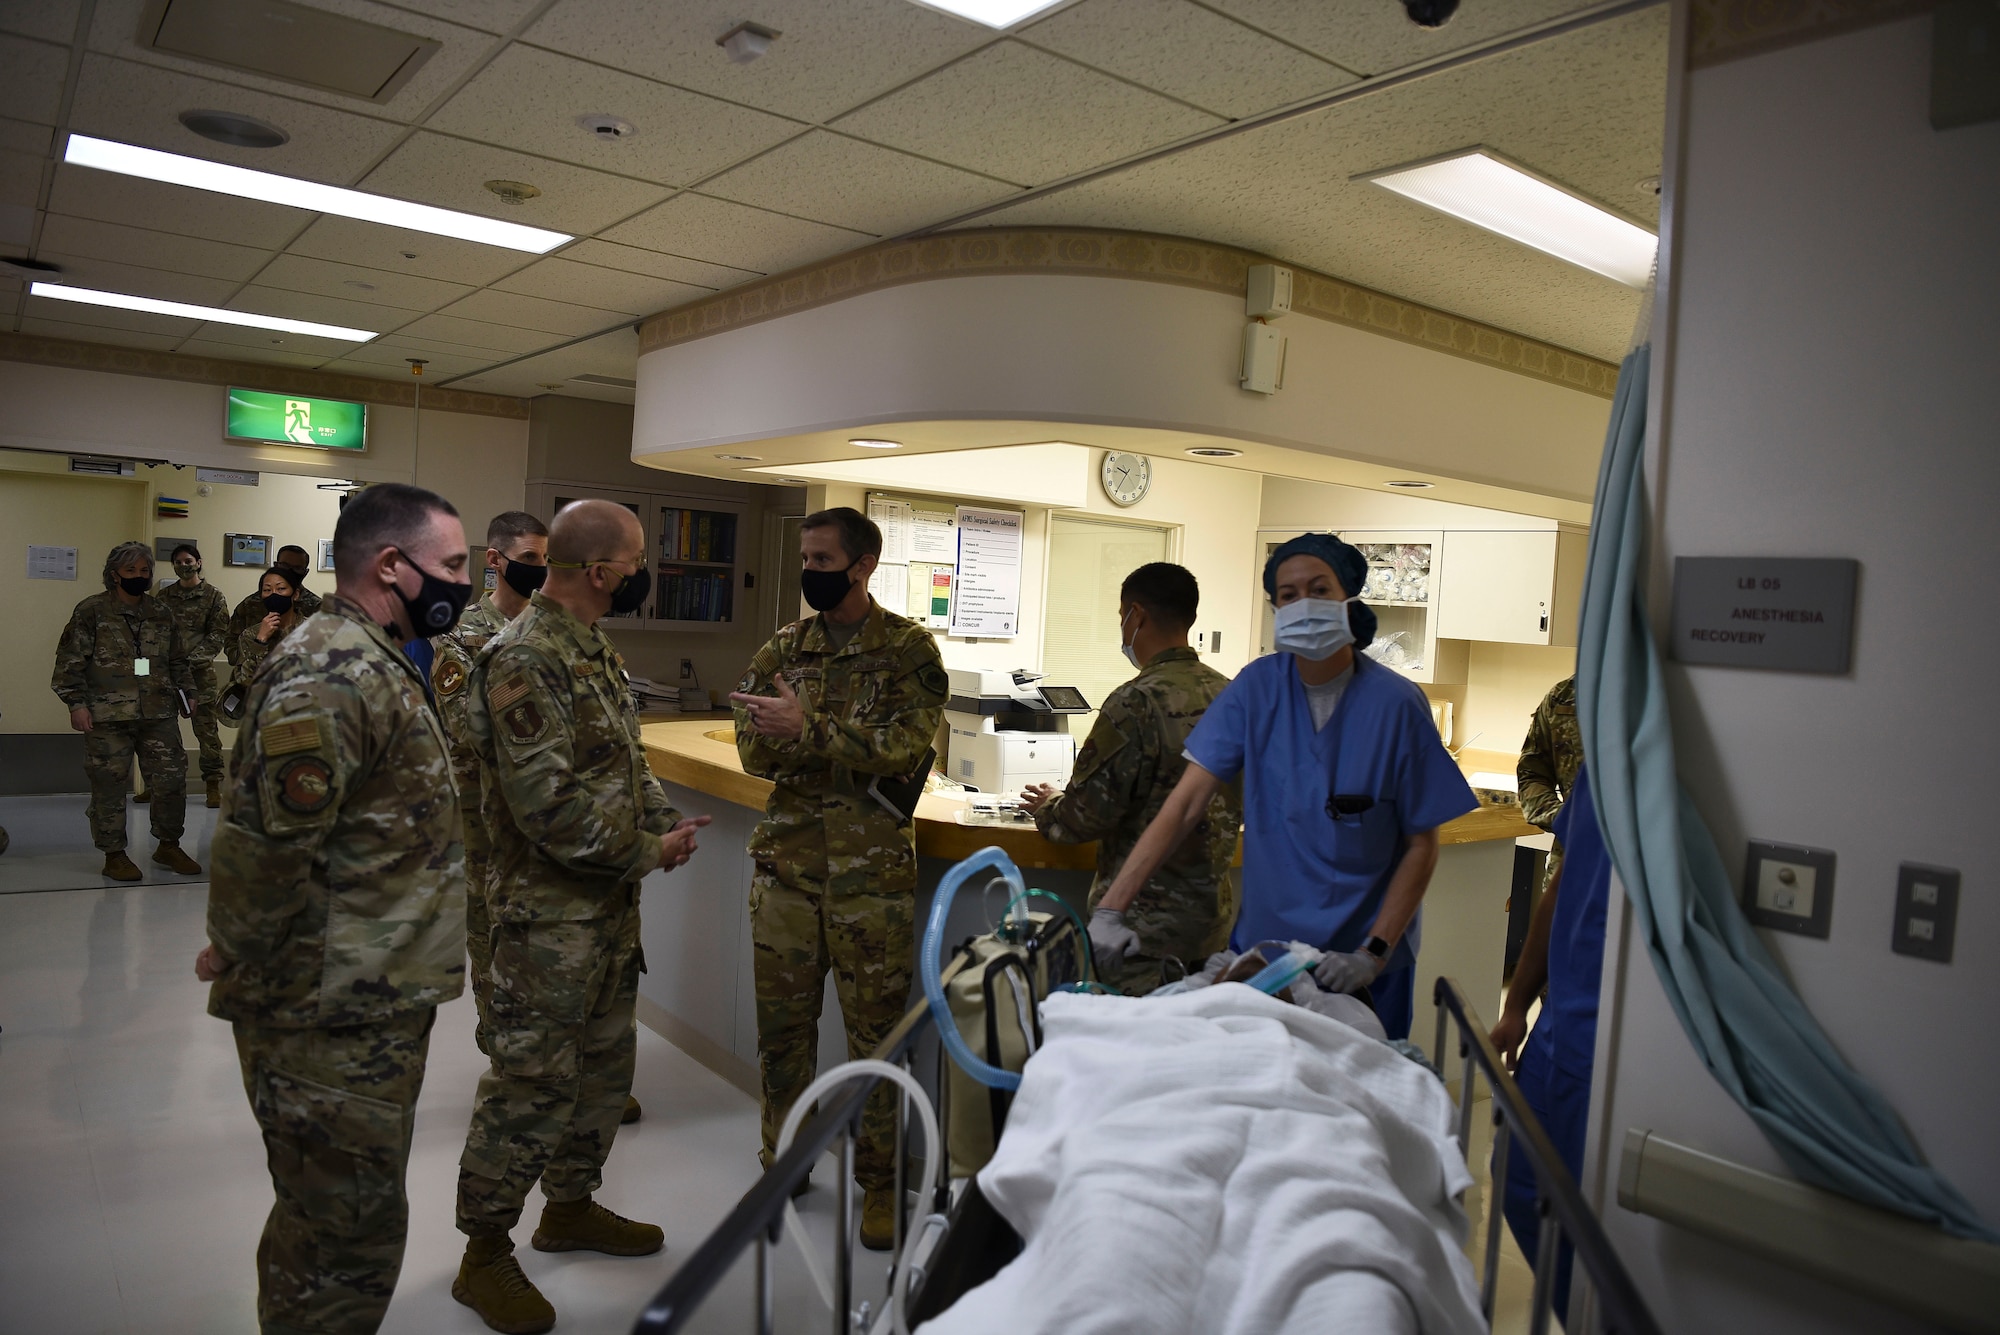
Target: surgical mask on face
1125, 645
437, 604
278, 603
523, 579
825, 590
135, 584
632, 592
1314, 628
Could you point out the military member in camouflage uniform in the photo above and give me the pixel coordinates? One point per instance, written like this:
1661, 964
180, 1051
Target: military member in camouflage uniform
203, 614
121, 667
827, 706
1550, 755
335, 918
297, 565
1126, 769
576, 820
517, 545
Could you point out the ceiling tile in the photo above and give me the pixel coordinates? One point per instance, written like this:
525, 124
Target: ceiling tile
508, 382
631, 259
438, 368
50, 20
137, 281
141, 104
20, 178
237, 336
1187, 52
495, 16
126, 338
171, 208
109, 323
530, 99
1015, 112
25, 137
351, 282
479, 334
391, 356
251, 352
372, 246
1372, 38
536, 313
716, 230
31, 79
830, 56
320, 309
155, 250
606, 289
615, 354
852, 184
433, 169
114, 30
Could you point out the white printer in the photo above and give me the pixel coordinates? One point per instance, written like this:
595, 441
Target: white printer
1008, 730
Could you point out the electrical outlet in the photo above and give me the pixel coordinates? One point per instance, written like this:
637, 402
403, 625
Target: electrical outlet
687, 668
1789, 888
1926, 912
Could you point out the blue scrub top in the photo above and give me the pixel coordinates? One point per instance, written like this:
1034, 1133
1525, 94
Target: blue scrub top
1306, 876
1576, 934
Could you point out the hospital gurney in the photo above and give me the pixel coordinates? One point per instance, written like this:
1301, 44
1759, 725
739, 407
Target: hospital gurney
976, 1242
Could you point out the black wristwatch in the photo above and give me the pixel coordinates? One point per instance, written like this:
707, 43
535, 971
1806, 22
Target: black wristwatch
1377, 947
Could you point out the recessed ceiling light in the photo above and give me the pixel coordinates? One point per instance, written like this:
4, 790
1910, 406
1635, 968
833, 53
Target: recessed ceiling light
226, 127
1411, 485
359, 285
610, 129
742, 458
201, 174
992, 13
1486, 191
877, 444
119, 300
796, 481
1213, 452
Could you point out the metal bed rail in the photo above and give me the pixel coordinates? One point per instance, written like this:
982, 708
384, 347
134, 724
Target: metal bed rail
1610, 1300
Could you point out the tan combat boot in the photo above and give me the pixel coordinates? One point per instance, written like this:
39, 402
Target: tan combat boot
119, 867
214, 794
490, 1282
142, 797
631, 1111
170, 856
878, 1220
586, 1226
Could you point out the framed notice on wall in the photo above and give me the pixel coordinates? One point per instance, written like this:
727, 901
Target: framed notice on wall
987, 599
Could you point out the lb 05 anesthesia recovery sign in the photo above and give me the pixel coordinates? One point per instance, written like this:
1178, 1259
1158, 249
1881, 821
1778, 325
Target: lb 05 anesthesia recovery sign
293, 419
1790, 614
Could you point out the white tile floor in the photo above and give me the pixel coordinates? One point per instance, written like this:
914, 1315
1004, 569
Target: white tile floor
50, 847
132, 1182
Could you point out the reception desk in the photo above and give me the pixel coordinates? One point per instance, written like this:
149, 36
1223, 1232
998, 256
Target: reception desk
698, 989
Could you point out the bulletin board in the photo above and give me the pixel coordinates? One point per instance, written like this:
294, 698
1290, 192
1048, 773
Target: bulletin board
918, 573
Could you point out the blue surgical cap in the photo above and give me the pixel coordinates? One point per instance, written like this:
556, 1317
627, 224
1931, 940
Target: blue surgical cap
1349, 566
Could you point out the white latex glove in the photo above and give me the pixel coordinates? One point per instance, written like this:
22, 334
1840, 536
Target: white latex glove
1346, 972
1111, 941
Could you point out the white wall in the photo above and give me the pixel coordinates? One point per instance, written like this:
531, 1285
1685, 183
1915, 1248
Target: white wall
1829, 392
1113, 352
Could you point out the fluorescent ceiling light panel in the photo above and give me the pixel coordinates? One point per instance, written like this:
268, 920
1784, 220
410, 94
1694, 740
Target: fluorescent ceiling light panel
992, 13
214, 314
1486, 191
201, 174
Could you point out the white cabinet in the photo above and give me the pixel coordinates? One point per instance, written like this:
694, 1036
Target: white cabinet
1514, 588
1402, 590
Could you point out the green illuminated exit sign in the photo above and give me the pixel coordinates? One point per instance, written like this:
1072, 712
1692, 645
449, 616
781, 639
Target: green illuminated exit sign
293, 419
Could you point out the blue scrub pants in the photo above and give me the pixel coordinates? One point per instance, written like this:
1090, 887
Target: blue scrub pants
1393, 995
1560, 1097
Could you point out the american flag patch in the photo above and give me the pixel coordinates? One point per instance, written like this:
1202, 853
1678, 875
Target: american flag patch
507, 692
282, 739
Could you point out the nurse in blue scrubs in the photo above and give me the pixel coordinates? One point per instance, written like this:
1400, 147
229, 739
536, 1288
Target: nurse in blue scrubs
1345, 783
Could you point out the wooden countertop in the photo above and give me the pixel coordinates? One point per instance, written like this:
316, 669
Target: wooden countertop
686, 752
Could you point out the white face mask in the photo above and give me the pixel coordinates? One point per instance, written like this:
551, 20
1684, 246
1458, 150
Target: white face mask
1314, 628
1124, 647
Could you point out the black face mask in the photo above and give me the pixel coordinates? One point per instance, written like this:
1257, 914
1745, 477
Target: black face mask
524, 579
632, 592
135, 584
279, 603
824, 590
437, 605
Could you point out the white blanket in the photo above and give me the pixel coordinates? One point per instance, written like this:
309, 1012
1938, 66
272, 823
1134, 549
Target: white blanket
1221, 1163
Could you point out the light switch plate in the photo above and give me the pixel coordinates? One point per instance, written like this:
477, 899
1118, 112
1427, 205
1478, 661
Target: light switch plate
1789, 888
1926, 912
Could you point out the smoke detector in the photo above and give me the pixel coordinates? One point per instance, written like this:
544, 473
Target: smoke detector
513, 192
747, 41
227, 127
1649, 186
610, 129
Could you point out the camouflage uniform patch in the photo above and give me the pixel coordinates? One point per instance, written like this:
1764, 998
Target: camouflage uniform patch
1124, 772
1550, 755
836, 874
131, 715
565, 909
203, 614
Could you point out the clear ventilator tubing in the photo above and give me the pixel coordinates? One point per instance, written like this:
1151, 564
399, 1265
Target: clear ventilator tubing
1280, 973
930, 967
933, 1166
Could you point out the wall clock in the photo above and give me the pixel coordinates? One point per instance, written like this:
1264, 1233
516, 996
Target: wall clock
1126, 477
